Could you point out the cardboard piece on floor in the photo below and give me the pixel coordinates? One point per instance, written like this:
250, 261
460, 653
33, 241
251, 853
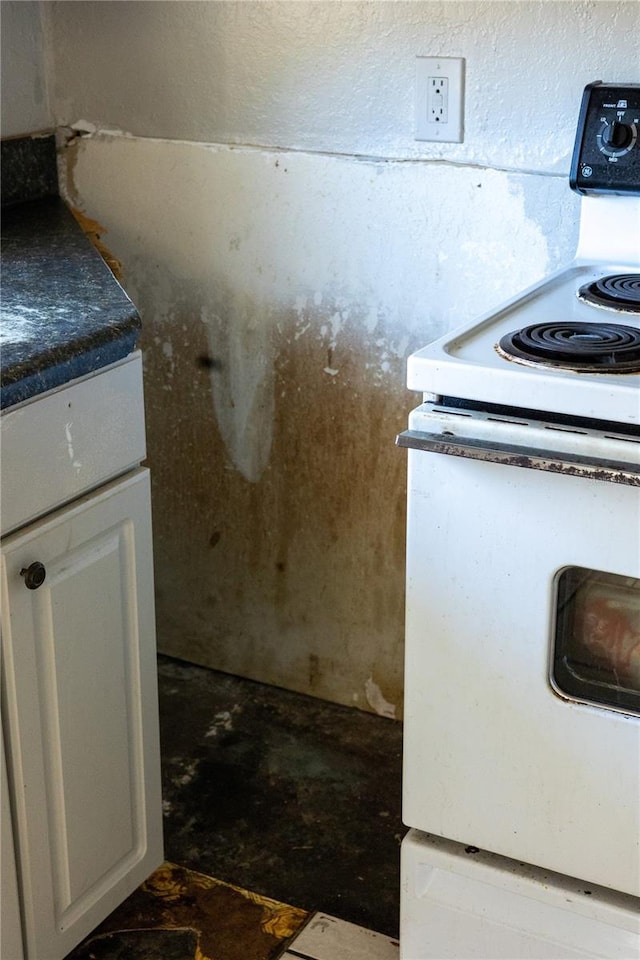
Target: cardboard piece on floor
327, 938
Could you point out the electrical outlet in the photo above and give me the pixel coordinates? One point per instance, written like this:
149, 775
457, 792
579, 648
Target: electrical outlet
439, 99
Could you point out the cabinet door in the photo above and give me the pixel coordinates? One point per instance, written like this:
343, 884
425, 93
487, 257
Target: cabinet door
80, 712
10, 928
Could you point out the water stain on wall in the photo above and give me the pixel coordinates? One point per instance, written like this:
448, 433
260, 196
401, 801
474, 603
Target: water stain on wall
280, 296
279, 531
275, 333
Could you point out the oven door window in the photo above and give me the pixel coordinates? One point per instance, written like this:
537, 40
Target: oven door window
597, 640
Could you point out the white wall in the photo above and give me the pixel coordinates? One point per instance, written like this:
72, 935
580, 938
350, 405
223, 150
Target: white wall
338, 77
25, 104
255, 168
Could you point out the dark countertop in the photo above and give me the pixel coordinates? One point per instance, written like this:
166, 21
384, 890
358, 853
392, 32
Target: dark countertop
28, 168
63, 312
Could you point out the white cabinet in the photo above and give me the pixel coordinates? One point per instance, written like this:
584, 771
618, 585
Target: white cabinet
10, 926
80, 710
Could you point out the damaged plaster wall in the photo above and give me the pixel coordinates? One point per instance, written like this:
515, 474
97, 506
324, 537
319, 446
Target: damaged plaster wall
288, 244
278, 493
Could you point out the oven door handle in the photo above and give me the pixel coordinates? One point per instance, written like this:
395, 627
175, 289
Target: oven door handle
592, 468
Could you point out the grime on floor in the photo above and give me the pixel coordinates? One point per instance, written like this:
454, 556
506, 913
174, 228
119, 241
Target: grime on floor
279, 809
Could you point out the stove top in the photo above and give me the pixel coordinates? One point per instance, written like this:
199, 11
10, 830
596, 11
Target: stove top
583, 364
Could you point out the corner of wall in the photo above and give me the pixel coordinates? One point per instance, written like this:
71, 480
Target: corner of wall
48, 58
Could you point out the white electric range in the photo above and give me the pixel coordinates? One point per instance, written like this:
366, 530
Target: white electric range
522, 690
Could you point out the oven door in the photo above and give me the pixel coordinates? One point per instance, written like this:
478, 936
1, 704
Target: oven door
508, 556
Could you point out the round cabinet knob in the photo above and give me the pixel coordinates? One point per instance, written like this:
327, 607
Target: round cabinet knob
34, 575
617, 135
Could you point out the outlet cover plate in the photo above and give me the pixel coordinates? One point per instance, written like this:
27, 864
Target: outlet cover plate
439, 116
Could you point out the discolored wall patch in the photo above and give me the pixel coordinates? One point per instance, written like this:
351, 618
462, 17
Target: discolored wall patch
280, 295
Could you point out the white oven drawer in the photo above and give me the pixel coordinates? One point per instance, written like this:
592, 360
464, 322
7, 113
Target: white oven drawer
65, 443
494, 756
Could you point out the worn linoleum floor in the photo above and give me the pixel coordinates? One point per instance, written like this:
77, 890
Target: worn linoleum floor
276, 807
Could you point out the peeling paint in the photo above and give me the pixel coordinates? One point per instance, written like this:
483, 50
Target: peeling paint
94, 231
75, 463
87, 128
376, 700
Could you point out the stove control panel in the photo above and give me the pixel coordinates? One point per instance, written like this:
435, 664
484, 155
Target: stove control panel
606, 156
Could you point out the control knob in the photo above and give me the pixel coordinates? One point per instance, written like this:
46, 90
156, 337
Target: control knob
617, 135
617, 138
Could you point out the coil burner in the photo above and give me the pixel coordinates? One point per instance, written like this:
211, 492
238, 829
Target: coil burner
620, 291
581, 347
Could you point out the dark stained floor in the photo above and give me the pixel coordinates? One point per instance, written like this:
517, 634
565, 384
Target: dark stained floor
289, 797
181, 915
